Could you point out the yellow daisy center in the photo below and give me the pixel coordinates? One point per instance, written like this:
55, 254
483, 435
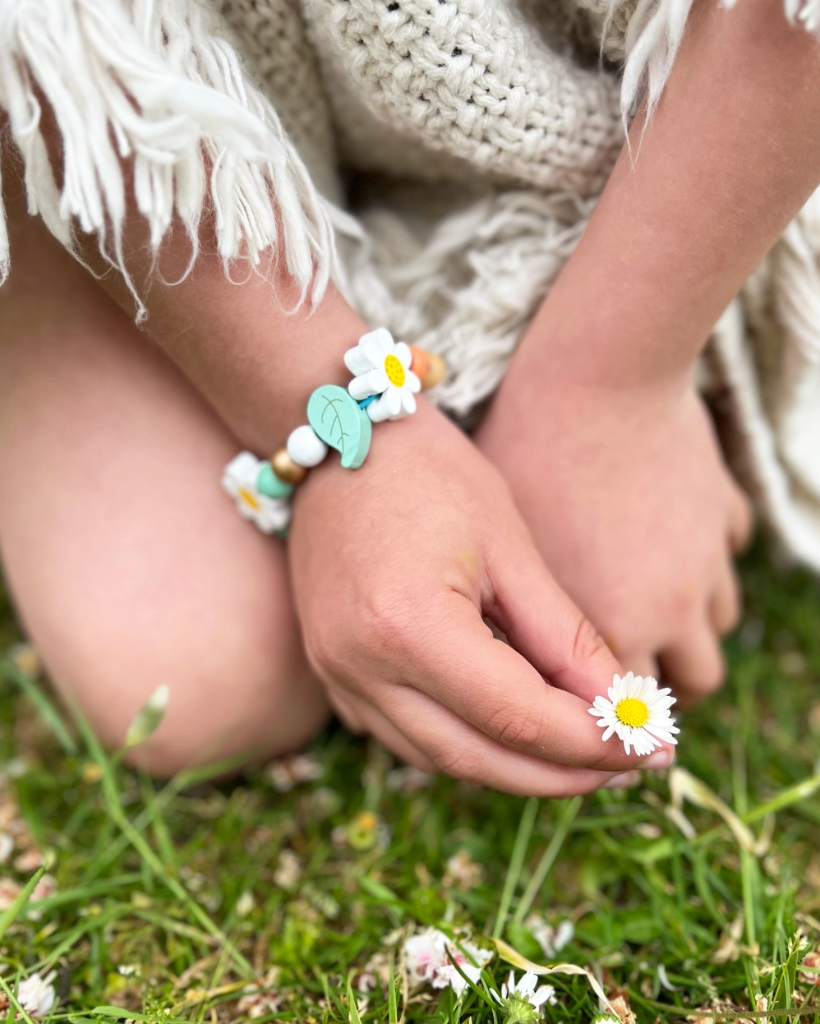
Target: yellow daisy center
394, 370
250, 499
633, 712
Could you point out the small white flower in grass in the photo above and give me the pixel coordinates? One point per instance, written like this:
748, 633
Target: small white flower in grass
430, 957
288, 870
551, 939
239, 481
381, 367
293, 771
36, 995
521, 1001
637, 712
408, 780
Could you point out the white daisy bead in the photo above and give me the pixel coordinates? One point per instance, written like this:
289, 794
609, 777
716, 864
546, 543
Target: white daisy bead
381, 369
305, 448
239, 481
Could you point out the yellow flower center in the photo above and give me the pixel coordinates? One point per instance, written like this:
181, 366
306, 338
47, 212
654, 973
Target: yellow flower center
250, 499
631, 711
394, 370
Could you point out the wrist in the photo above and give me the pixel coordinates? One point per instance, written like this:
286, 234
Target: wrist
386, 377
571, 349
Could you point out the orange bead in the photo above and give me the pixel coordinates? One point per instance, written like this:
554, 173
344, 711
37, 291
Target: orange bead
436, 371
286, 469
421, 362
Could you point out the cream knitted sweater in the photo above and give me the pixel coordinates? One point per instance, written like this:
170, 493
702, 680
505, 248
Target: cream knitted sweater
438, 158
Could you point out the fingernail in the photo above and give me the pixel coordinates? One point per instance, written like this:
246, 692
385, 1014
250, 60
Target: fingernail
626, 780
660, 759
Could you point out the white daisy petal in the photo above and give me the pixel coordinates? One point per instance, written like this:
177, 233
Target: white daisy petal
379, 411
358, 361
403, 354
392, 399
637, 711
408, 402
413, 382
239, 481
381, 338
374, 382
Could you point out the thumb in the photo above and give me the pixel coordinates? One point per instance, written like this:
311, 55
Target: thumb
552, 633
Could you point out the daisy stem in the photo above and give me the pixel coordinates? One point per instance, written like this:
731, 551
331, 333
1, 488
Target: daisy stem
549, 857
522, 840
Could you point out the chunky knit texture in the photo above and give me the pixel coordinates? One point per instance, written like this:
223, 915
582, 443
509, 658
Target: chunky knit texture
472, 137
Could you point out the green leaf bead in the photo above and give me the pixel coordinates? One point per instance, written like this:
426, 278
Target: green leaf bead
337, 419
269, 484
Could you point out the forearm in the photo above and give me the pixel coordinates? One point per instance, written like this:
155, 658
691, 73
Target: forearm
254, 361
731, 154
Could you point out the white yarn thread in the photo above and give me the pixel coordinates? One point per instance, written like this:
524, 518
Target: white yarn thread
154, 81
471, 289
654, 36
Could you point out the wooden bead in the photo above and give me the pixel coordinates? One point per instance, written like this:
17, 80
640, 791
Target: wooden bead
436, 371
421, 362
286, 469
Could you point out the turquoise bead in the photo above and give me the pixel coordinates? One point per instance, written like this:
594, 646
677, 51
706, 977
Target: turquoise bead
337, 419
269, 484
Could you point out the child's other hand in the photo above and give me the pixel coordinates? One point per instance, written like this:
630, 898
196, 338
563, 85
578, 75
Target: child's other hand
634, 512
394, 567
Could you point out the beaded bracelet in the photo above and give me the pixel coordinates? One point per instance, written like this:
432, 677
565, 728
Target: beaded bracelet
386, 376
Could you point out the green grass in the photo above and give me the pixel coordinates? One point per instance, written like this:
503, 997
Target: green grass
167, 903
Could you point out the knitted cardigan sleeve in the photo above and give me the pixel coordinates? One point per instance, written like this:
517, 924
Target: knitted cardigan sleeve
150, 96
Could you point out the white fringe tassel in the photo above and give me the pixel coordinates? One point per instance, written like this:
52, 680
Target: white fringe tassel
154, 82
469, 290
654, 37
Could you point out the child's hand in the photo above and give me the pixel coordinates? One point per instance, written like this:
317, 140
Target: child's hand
394, 566
634, 512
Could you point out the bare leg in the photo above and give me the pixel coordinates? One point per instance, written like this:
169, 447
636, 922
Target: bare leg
128, 565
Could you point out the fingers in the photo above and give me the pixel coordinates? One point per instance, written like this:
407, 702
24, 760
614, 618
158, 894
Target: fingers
421, 731
642, 664
545, 626
725, 604
378, 725
694, 665
740, 519
488, 684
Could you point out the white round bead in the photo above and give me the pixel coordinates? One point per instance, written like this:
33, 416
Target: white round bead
305, 448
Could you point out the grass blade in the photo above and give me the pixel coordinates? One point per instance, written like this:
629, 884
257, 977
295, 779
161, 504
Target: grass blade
522, 841
50, 714
548, 859
12, 912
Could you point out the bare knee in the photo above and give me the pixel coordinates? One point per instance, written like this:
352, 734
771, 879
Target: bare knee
233, 699
228, 649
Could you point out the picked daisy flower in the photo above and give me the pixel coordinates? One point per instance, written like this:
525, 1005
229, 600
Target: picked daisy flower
240, 482
521, 1001
637, 712
381, 372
